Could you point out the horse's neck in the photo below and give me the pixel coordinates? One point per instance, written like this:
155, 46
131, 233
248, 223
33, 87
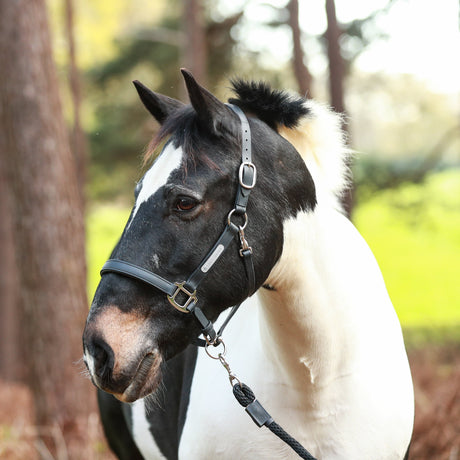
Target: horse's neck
330, 301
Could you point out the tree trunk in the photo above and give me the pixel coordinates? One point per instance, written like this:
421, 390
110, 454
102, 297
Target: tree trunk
336, 79
47, 214
77, 138
336, 66
301, 72
11, 356
195, 53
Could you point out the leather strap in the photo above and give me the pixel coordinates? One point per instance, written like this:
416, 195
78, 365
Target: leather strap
228, 235
246, 254
133, 271
247, 173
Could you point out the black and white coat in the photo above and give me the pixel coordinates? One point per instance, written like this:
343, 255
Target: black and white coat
323, 350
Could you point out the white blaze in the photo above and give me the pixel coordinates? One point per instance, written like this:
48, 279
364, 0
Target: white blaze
157, 176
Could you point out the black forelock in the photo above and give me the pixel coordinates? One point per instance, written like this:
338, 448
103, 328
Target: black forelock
183, 128
182, 124
274, 107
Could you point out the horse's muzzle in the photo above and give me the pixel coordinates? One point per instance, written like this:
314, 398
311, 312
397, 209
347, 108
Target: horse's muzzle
121, 356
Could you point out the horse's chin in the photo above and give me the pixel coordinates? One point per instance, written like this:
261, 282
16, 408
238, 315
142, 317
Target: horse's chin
145, 381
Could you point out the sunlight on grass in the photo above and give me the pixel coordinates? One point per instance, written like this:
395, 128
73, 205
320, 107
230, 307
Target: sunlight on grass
414, 232
104, 225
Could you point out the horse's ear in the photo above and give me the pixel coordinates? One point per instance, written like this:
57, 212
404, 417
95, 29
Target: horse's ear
158, 105
209, 109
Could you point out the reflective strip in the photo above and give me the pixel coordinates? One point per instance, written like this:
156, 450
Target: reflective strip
212, 258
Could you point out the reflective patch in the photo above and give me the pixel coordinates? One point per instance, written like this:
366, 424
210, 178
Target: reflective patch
212, 259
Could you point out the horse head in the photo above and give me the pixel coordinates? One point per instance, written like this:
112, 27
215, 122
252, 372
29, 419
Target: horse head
182, 205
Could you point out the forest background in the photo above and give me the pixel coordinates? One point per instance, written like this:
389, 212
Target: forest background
391, 66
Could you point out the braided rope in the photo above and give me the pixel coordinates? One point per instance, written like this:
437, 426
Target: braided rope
245, 396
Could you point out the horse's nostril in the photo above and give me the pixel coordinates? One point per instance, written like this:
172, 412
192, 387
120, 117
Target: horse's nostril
103, 358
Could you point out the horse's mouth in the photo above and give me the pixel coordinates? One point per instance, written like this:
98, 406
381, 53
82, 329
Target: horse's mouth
145, 380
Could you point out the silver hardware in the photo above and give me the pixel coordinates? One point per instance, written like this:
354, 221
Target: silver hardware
191, 298
231, 375
221, 358
229, 219
218, 342
244, 244
241, 172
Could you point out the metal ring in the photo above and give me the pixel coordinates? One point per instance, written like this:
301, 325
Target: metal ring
222, 353
229, 219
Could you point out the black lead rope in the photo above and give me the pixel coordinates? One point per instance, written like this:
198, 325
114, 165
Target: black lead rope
245, 396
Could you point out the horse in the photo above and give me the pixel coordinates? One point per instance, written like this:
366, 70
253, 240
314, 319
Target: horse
243, 201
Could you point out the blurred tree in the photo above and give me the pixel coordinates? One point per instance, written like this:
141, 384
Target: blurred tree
336, 65
301, 72
77, 137
336, 81
194, 50
47, 217
342, 43
11, 341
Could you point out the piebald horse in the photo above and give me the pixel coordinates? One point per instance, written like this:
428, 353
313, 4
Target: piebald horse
316, 336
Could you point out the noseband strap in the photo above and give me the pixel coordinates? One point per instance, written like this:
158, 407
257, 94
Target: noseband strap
133, 271
182, 295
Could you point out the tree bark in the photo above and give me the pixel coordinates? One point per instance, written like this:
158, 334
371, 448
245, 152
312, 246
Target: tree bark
301, 72
336, 80
47, 214
12, 366
336, 65
195, 53
77, 139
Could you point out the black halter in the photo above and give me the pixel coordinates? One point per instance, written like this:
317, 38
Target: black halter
183, 295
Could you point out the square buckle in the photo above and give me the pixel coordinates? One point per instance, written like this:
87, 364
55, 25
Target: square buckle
191, 297
250, 165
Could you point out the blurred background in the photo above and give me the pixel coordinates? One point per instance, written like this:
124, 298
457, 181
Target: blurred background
391, 66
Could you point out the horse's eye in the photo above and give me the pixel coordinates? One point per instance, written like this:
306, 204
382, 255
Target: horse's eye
184, 204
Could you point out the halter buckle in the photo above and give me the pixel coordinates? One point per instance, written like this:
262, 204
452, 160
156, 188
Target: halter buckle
191, 298
243, 166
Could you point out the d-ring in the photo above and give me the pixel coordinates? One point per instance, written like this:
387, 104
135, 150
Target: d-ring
218, 355
229, 219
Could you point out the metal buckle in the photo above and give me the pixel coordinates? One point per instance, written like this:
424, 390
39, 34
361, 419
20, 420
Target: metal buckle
191, 298
241, 173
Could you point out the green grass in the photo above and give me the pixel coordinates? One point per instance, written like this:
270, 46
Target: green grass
414, 232
104, 225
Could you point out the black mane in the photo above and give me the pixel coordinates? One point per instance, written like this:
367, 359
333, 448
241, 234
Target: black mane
274, 107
